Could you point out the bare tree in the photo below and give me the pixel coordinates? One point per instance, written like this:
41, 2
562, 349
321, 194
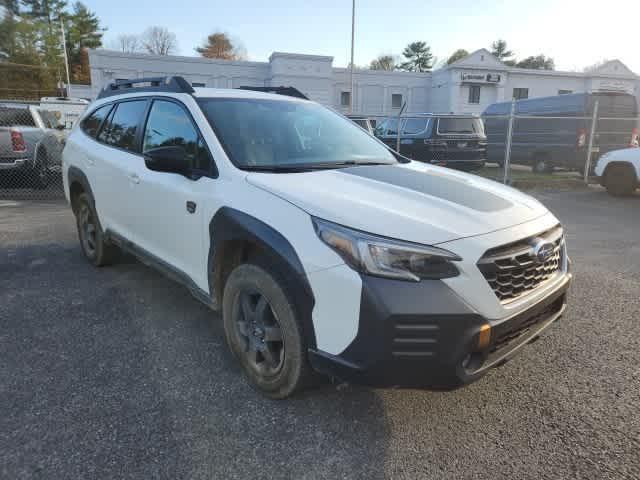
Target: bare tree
128, 43
159, 41
383, 62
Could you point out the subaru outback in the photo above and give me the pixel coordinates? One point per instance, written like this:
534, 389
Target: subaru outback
325, 251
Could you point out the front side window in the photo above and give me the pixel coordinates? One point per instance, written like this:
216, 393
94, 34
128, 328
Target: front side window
120, 131
169, 125
474, 94
91, 124
459, 126
282, 133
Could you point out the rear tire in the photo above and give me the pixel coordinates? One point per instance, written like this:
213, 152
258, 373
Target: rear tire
620, 180
263, 331
97, 250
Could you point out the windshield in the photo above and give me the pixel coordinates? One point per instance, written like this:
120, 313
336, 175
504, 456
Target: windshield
280, 133
460, 125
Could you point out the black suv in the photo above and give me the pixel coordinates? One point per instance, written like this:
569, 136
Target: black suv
456, 141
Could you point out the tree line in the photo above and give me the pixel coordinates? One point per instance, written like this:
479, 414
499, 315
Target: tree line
30, 35
418, 57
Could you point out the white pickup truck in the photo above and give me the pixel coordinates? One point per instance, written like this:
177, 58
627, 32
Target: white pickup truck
619, 171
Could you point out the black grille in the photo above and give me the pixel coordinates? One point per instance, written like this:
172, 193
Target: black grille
513, 270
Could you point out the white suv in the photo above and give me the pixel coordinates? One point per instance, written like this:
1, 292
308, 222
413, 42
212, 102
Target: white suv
324, 250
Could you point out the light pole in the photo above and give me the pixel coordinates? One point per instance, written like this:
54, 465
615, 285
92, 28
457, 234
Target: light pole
66, 60
353, 35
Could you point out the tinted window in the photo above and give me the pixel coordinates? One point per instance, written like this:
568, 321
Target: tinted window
460, 125
169, 125
396, 100
123, 124
415, 125
257, 132
92, 123
10, 117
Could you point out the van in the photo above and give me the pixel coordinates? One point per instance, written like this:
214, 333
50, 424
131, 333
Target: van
455, 141
560, 137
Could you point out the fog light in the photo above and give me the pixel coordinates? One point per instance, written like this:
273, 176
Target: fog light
484, 337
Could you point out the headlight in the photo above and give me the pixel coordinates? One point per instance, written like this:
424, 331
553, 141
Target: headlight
385, 257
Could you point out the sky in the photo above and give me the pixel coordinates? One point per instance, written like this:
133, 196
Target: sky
574, 33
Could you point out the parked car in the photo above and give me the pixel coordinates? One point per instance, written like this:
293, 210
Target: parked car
31, 144
362, 122
329, 254
619, 171
456, 141
560, 136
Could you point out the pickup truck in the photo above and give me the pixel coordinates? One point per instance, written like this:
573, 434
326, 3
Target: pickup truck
31, 143
619, 171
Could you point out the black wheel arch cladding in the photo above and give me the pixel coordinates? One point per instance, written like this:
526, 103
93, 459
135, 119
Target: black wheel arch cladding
229, 226
75, 175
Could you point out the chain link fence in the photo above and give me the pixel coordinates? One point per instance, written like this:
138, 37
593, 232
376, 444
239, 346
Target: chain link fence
517, 146
32, 136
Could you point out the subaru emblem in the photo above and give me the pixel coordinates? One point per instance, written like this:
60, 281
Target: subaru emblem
543, 251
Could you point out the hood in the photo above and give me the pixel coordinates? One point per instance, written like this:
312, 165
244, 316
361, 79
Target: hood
414, 202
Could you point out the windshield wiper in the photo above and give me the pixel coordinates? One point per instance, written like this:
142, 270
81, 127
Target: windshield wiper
306, 167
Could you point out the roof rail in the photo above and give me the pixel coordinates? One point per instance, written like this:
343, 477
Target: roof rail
288, 91
173, 84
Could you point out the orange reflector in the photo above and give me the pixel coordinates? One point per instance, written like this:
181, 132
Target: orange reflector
484, 337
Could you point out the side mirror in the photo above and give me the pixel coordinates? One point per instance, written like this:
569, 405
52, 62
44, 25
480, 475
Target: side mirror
167, 159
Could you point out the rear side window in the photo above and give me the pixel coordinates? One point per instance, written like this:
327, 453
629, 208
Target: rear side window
169, 125
123, 125
458, 126
414, 126
16, 117
91, 124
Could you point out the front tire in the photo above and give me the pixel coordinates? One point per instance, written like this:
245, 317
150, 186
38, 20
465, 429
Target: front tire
263, 332
620, 180
97, 250
542, 165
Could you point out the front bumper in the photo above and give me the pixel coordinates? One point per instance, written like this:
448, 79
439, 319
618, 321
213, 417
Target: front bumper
422, 335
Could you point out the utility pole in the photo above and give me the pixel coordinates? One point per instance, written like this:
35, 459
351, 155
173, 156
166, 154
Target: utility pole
66, 60
353, 36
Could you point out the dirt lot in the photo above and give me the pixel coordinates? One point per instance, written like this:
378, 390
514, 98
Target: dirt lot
120, 373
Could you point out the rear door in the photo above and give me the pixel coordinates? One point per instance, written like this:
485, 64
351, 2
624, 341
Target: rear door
115, 160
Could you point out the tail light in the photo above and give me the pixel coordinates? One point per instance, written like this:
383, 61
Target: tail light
582, 137
635, 138
17, 141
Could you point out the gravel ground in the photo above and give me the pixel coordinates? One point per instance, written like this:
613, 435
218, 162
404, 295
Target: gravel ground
120, 373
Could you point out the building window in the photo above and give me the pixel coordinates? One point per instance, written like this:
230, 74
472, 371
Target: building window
474, 93
565, 92
345, 99
198, 85
520, 93
396, 100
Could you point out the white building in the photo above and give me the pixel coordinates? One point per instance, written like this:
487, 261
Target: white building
466, 86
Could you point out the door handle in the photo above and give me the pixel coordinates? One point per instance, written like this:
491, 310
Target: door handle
191, 206
134, 178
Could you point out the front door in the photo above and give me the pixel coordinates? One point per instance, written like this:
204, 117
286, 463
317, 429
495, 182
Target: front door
171, 224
